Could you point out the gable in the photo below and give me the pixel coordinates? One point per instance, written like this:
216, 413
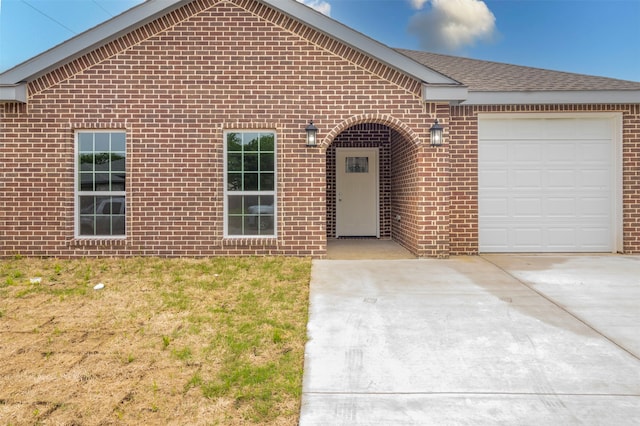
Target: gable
154, 16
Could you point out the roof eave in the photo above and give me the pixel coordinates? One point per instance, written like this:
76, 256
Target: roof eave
13, 93
88, 41
553, 97
359, 41
454, 94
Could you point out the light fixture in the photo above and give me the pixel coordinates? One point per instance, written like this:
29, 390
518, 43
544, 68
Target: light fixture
436, 134
312, 133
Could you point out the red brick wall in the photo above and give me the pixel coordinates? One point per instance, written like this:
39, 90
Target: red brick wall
175, 85
404, 193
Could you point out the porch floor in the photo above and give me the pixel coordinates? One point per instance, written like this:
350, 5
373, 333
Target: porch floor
352, 249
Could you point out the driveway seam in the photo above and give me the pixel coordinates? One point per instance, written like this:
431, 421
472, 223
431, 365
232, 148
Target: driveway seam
562, 307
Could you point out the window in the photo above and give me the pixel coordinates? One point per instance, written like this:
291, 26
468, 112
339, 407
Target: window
100, 183
250, 181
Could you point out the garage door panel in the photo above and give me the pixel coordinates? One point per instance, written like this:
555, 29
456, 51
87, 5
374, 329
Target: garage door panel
593, 179
597, 151
594, 207
526, 239
493, 151
526, 179
495, 207
526, 152
560, 207
495, 179
527, 207
557, 151
545, 185
561, 179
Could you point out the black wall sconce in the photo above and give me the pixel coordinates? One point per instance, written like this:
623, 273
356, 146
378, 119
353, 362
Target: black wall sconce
436, 134
312, 133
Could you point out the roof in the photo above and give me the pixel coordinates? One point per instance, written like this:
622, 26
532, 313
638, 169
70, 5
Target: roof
485, 78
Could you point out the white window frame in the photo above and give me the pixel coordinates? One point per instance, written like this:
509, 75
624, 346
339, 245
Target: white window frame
78, 193
272, 193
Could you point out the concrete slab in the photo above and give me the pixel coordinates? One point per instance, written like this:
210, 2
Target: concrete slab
360, 249
456, 341
602, 291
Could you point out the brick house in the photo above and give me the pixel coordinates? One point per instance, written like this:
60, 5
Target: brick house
178, 129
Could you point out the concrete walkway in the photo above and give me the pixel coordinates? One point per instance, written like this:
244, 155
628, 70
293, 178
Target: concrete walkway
510, 340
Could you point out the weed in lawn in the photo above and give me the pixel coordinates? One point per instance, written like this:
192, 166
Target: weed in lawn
183, 354
165, 342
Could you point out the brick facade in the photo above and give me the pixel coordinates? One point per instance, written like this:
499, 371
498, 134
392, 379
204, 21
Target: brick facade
176, 84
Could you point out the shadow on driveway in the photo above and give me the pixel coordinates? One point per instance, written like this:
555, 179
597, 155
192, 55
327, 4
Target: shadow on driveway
474, 340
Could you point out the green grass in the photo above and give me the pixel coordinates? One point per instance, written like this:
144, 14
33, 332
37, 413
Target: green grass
228, 332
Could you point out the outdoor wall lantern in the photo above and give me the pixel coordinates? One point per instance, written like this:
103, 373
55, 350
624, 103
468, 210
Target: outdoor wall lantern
436, 134
312, 133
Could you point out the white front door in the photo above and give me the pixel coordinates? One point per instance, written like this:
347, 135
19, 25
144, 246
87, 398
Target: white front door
357, 203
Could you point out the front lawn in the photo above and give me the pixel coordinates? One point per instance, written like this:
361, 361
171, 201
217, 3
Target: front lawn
166, 341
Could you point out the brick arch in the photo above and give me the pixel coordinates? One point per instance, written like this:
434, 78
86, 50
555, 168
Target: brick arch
383, 119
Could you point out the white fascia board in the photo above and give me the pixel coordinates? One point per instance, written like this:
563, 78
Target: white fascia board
89, 40
359, 41
444, 93
554, 97
13, 93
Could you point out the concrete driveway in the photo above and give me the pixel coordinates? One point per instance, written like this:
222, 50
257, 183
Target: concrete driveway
479, 340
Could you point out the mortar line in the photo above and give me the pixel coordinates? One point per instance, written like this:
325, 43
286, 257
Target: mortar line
564, 309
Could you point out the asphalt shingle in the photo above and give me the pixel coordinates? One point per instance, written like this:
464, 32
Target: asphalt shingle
485, 76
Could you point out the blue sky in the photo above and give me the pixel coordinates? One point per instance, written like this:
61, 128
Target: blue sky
596, 37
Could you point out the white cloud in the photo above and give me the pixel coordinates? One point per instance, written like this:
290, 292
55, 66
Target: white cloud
418, 4
451, 25
320, 5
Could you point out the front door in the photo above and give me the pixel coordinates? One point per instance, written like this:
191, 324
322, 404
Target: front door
357, 203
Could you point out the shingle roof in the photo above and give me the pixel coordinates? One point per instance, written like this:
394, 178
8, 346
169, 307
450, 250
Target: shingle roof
485, 76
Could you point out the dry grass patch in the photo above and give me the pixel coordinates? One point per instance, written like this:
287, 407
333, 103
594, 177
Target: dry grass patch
166, 341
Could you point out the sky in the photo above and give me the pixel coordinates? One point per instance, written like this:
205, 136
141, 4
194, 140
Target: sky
594, 37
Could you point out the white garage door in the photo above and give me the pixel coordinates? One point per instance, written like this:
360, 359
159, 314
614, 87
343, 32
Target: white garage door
547, 184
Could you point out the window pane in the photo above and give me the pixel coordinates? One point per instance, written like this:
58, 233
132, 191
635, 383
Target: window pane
86, 162
266, 162
234, 182
250, 182
251, 163
117, 162
85, 141
234, 142
235, 225
235, 205
102, 182
118, 181
234, 162
117, 225
102, 142
118, 142
250, 142
102, 160
267, 181
267, 142
86, 181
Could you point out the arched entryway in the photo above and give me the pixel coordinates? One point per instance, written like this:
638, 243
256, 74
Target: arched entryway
355, 154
